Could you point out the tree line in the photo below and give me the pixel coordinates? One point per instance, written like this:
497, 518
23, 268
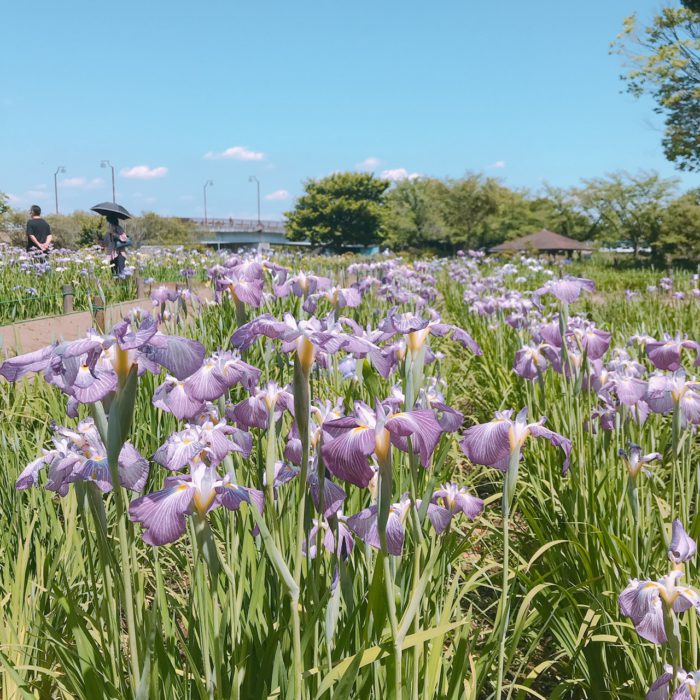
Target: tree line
642, 210
81, 228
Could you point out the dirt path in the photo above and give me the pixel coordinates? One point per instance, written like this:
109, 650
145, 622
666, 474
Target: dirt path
27, 336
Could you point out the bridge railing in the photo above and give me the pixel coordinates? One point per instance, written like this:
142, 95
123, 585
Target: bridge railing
240, 225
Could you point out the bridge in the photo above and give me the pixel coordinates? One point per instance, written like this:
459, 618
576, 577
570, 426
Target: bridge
236, 232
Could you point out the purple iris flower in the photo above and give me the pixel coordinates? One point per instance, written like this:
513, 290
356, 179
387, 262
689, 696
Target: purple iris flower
417, 330
171, 396
686, 684
665, 393
628, 389
88, 369
16, 367
373, 432
342, 548
307, 338
254, 411
591, 340
80, 455
384, 359
161, 295
337, 297
320, 413
365, 525
568, 289
666, 353
431, 397
348, 367
218, 374
162, 513
138, 334
241, 287
532, 360
206, 434
456, 499
284, 473
644, 603
302, 285
682, 547
491, 444
549, 333
333, 495
635, 461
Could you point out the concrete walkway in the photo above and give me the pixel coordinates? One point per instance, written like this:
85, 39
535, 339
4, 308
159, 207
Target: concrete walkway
33, 334
27, 336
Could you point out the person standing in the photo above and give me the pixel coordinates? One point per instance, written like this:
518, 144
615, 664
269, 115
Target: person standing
38, 232
115, 239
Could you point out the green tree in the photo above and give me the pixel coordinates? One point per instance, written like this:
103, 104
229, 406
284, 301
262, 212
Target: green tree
470, 203
665, 63
92, 228
12, 223
153, 229
65, 229
679, 233
626, 207
341, 209
562, 213
415, 214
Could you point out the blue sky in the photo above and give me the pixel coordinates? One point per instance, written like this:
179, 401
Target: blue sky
176, 93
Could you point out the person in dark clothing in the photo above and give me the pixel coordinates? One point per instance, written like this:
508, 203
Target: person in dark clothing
117, 255
38, 232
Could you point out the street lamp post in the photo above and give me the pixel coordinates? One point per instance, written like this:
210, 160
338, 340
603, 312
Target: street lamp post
107, 164
59, 169
254, 179
206, 184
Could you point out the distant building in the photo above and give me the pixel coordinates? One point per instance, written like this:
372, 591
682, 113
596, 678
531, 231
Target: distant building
543, 241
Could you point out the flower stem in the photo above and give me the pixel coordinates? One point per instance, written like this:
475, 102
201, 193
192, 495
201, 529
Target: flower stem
302, 408
509, 486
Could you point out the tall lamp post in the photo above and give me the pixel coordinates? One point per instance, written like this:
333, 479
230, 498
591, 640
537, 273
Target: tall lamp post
107, 164
254, 179
59, 169
206, 184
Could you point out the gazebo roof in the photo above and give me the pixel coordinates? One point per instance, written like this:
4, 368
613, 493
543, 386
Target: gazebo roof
544, 241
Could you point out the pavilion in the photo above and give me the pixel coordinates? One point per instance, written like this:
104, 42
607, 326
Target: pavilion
543, 241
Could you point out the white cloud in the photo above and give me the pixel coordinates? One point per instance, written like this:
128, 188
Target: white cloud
369, 163
82, 183
398, 174
235, 153
143, 172
37, 194
13, 198
498, 164
278, 195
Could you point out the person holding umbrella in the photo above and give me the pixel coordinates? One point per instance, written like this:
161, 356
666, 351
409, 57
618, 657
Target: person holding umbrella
116, 241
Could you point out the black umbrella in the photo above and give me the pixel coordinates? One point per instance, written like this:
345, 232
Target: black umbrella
111, 209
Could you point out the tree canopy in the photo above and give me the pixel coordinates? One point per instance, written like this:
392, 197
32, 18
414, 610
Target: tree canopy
340, 209
626, 207
664, 62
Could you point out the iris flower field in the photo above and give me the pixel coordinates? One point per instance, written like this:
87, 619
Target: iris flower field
340, 477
